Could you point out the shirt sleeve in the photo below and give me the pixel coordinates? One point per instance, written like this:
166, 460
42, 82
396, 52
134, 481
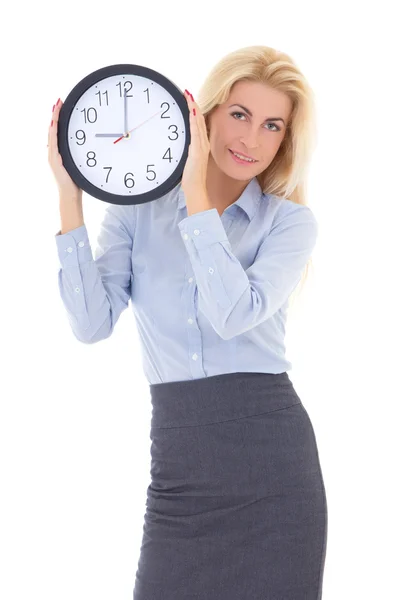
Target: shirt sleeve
235, 300
95, 291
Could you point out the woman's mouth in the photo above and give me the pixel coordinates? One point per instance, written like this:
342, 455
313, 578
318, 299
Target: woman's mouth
239, 161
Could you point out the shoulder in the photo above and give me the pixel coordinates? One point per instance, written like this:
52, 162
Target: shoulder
282, 210
287, 223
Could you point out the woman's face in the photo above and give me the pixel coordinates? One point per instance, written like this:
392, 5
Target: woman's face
253, 135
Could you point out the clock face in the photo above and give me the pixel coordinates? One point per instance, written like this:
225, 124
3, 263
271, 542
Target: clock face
124, 134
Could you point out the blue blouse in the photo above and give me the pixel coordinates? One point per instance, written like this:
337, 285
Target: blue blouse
209, 293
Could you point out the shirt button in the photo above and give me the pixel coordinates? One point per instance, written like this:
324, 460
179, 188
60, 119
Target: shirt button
196, 232
190, 321
69, 249
190, 279
185, 236
211, 270
194, 356
77, 289
81, 244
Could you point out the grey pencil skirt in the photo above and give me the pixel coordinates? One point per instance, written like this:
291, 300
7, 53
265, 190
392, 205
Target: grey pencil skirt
236, 508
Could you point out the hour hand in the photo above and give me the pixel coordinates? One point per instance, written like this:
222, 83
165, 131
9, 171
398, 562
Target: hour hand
108, 134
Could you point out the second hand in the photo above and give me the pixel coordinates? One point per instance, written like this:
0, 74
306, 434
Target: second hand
137, 127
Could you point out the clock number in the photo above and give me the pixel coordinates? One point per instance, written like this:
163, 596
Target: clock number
129, 179
86, 114
169, 157
151, 171
148, 99
176, 131
162, 116
99, 94
120, 89
89, 158
108, 174
80, 138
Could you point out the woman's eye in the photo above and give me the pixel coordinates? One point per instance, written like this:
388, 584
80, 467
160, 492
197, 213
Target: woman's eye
243, 115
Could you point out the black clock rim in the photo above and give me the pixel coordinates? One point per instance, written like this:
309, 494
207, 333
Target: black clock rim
65, 115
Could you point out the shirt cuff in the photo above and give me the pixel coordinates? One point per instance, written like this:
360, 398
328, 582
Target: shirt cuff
73, 247
203, 228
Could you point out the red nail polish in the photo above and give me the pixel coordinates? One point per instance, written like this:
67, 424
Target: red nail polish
53, 107
51, 124
194, 112
58, 101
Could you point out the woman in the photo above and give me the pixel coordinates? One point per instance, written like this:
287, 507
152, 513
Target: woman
236, 507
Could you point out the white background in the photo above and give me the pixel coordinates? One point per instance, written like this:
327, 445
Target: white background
75, 418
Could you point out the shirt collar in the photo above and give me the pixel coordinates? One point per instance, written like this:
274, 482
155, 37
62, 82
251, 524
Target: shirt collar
247, 201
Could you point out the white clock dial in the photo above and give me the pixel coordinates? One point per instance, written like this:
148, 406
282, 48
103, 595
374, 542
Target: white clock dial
149, 155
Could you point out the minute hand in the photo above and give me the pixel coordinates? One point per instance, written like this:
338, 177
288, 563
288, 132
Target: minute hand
137, 126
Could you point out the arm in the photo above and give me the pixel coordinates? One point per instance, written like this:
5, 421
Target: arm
95, 291
233, 299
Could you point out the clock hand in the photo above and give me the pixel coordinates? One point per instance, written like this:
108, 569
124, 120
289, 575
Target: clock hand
125, 114
107, 134
137, 126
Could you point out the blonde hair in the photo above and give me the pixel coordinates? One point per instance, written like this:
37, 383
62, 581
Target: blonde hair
286, 175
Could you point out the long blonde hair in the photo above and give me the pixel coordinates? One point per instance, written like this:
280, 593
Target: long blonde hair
286, 175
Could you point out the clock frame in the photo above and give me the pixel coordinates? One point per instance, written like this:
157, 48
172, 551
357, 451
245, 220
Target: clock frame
89, 116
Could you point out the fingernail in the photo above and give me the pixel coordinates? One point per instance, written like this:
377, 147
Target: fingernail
51, 124
58, 101
53, 107
194, 112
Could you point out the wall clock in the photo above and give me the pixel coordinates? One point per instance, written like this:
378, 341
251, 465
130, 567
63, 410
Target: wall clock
124, 134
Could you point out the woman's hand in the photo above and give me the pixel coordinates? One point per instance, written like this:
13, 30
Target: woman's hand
194, 176
66, 186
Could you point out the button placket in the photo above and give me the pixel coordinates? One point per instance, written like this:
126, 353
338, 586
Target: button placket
197, 232
222, 298
80, 244
70, 249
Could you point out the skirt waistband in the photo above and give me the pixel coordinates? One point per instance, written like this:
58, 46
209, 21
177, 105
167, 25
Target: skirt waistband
219, 398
